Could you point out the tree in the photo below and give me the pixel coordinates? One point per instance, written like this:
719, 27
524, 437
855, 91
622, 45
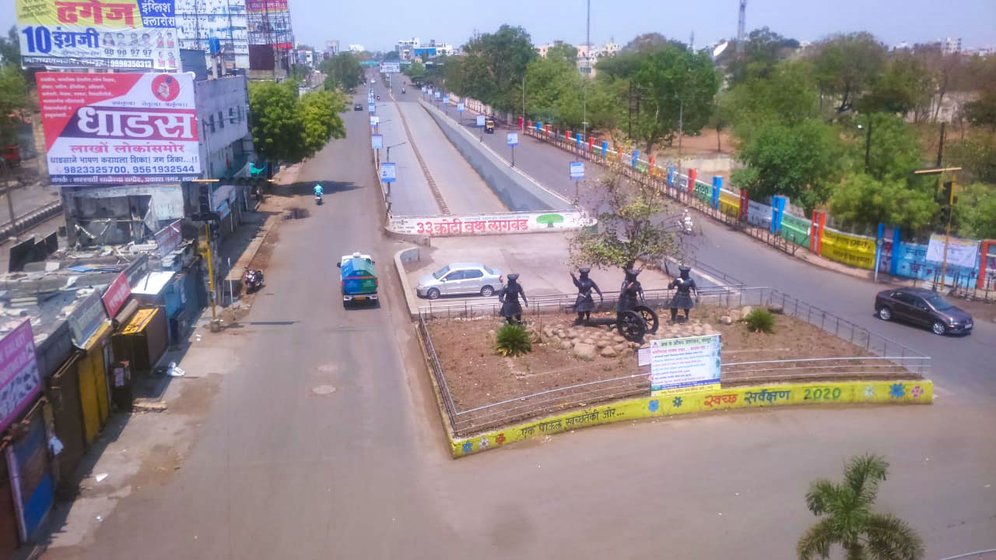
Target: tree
627, 229
392, 56
676, 89
982, 111
553, 91
493, 66
342, 71
10, 48
285, 128
13, 100
645, 43
847, 518
975, 211
864, 201
563, 51
905, 86
846, 65
976, 154
892, 147
416, 71
800, 161
763, 50
787, 95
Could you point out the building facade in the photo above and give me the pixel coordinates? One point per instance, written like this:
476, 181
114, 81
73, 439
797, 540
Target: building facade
219, 28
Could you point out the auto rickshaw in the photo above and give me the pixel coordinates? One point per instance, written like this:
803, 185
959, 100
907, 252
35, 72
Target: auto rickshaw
489, 125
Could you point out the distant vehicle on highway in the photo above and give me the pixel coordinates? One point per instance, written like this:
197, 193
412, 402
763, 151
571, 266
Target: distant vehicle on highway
357, 107
460, 279
489, 125
922, 307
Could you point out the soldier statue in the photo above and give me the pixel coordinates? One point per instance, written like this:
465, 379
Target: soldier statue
684, 287
509, 296
585, 304
631, 292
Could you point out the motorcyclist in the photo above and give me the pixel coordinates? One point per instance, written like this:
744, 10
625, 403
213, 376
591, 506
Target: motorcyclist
319, 192
686, 221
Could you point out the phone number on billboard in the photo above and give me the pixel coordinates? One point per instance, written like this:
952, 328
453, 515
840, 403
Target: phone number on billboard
118, 169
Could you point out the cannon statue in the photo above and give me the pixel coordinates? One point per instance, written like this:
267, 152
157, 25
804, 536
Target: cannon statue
633, 319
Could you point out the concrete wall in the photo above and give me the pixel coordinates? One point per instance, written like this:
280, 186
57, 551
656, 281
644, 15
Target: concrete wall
516, 191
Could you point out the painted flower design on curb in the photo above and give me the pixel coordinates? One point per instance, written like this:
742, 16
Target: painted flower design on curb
677, 402
468, 447
484, 442
917, 392
869, 392
500, 439
654, 405
897, 390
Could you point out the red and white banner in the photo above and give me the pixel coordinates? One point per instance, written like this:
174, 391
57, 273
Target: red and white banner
119, 128
116, 295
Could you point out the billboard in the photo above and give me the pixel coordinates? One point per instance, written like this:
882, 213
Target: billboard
122, 34
20, 381
390, 67
119, 128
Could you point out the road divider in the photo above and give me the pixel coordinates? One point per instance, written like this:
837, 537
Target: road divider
489, 224
915, 391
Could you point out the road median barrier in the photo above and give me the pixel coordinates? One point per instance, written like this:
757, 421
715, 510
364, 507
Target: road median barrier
913, 391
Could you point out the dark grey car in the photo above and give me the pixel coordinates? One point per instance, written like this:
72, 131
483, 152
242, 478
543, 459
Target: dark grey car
922, 307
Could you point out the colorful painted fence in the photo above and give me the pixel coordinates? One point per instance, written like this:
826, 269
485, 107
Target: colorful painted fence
853, 250
707, 400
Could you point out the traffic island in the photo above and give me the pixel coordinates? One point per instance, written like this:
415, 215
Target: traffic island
577, 376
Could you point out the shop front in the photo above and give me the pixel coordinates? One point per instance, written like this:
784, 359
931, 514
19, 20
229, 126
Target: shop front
91, 335
163, 289
143, 340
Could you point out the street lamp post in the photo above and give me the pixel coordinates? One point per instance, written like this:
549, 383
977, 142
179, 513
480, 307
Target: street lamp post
388, 160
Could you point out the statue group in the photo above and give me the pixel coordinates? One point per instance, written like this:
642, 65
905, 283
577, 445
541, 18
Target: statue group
631, 299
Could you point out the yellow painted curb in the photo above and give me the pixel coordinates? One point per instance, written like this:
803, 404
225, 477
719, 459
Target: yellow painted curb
704, 400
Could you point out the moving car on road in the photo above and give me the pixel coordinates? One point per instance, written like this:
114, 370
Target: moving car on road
359, 279
460, 279
357, 107
922, 307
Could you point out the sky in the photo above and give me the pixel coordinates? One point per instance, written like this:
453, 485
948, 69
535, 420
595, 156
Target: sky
379, 25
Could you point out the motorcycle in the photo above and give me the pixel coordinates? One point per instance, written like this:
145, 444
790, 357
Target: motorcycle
686, 224
318, 199
252, 280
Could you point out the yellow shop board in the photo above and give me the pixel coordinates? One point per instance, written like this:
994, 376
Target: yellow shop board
705, 400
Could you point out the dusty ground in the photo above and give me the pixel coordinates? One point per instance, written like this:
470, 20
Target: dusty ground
477, 375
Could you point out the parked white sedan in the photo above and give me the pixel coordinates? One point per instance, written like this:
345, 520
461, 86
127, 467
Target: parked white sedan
460, 279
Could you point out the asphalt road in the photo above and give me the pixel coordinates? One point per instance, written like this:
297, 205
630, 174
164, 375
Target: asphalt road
462, 188
325, 442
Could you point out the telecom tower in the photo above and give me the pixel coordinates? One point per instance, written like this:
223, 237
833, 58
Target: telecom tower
741, 24
270, 34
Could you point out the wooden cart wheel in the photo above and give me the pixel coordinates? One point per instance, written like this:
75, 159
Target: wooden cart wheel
649, 316
631, 326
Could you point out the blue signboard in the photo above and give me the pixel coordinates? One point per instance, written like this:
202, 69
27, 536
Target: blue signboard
388, 172
577, 170
377, 141
459, 107
513, 139
480, 120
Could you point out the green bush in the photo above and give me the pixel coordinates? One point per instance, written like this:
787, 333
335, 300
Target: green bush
760, 320
513, 340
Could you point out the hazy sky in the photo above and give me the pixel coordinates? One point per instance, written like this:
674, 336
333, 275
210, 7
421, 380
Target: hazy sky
378, 25
383, 22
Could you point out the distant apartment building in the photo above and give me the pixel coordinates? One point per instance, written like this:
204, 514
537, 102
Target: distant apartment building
331, 48
304, 56
356, 48
414, 48
588, 56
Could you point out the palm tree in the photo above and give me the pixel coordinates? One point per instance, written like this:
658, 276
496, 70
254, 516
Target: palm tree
846, 518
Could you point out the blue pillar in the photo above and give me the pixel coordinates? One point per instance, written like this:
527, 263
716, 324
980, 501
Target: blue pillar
879, 244
577, 139
672, 171
636, 158
897, 245
539, 126
605, 148
778, 203
717, 186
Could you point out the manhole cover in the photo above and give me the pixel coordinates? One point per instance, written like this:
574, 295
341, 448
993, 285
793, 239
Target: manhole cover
323, 390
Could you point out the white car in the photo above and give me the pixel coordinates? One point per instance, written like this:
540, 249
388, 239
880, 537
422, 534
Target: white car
460, 279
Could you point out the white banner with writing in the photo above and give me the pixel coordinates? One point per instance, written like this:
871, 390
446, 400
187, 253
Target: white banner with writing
488, 224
